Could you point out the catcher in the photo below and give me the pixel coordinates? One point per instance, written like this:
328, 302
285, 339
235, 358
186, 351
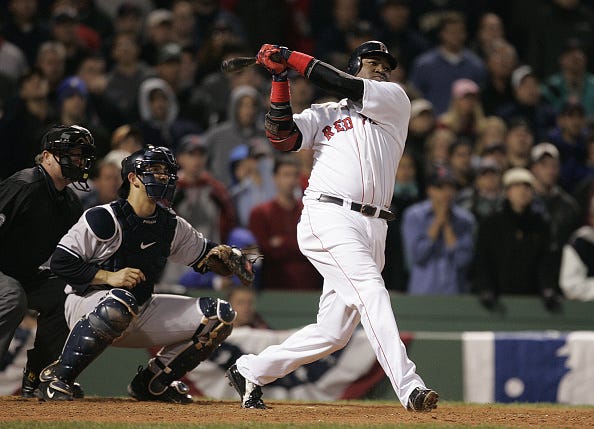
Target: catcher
111, 259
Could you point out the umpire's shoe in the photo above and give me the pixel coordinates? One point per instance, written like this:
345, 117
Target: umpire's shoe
177, 392
250, 393
30, 384
423, 400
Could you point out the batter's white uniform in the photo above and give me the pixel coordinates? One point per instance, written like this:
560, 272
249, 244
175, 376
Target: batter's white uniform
357, 148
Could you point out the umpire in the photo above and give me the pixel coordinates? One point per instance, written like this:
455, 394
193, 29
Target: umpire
36, 210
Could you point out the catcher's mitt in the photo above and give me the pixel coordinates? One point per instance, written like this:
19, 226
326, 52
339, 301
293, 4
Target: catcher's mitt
226, 260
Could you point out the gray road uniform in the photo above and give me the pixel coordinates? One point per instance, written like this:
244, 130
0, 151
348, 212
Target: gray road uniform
112, 237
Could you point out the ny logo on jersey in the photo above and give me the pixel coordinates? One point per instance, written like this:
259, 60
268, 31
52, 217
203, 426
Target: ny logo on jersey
337, 127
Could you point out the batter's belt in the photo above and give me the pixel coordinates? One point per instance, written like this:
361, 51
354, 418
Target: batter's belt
364, 209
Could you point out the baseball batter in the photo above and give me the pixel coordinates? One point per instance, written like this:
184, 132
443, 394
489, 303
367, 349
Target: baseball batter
111, 260
357, 145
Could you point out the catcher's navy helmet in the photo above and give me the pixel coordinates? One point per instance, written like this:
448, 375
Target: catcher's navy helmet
74, 149
368, 49
159, 182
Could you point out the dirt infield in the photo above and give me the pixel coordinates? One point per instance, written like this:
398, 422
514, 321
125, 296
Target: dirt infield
109, 410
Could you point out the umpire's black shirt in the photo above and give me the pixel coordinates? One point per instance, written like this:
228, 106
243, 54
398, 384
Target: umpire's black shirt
33, 218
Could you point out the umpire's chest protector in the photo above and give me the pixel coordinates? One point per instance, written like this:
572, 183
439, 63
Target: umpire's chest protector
146, 244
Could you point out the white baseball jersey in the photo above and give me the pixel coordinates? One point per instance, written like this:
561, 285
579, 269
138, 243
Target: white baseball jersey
357, 146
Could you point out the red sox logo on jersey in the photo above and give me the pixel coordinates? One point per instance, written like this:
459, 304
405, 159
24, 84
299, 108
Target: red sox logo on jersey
341, 125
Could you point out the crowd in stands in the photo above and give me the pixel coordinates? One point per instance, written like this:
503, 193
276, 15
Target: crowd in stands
494, 194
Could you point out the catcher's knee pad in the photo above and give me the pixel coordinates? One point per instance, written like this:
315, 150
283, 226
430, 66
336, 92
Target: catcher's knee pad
114, 313
216, 325
95, 331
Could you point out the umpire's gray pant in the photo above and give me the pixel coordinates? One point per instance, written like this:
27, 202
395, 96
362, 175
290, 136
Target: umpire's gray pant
13, 306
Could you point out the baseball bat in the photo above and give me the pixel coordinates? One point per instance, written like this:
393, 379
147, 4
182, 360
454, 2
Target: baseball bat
239, 63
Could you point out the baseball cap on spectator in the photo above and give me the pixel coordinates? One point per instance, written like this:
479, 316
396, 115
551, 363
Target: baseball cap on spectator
70, 86
240, 238
487, 165
520, 74
518, 175
168, 53
572, 43
129, 9
463, 87
541, 150
419, 106
441, 175
122, 132
517, 122
190, 143
64, 15
159, 17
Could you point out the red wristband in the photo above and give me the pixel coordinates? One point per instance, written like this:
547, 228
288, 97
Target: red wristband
299, 61
279, 92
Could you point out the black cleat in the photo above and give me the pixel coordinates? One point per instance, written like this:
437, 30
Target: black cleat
49, 374
55, 390
29, 384
250, 393
177, 392
422, 400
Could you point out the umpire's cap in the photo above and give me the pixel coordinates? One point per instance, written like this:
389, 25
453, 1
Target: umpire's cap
369, 49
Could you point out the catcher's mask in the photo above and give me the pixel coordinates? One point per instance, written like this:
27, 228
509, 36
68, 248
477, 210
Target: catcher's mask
73, 148
157, 170
369, 49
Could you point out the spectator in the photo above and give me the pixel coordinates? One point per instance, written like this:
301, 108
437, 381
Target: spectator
491, 132
513, 246
51, 60
460, 162
242, 300
252, 175
501, 61
407, 191
496, 152
486, 194
302, 93
168, 65
274, 224
93, 17
570, 138
561, 209
518, 143
577, 264
397, 32
572, 81
13, 63
528, 103
104, 186
23, 126
73, 109
207, 13
24, 28
64, 24
434, 72
438, 239
184, 22
201, 199
158, 32
125, 140
584, 191
244, 124
437, 149
125, 76
490, 29
465, 115
421, 125
158, 108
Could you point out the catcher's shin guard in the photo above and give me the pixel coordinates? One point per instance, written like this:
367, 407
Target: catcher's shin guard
92, 334
216, 325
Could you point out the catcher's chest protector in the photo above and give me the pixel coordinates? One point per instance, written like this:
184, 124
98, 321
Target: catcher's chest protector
146, 244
